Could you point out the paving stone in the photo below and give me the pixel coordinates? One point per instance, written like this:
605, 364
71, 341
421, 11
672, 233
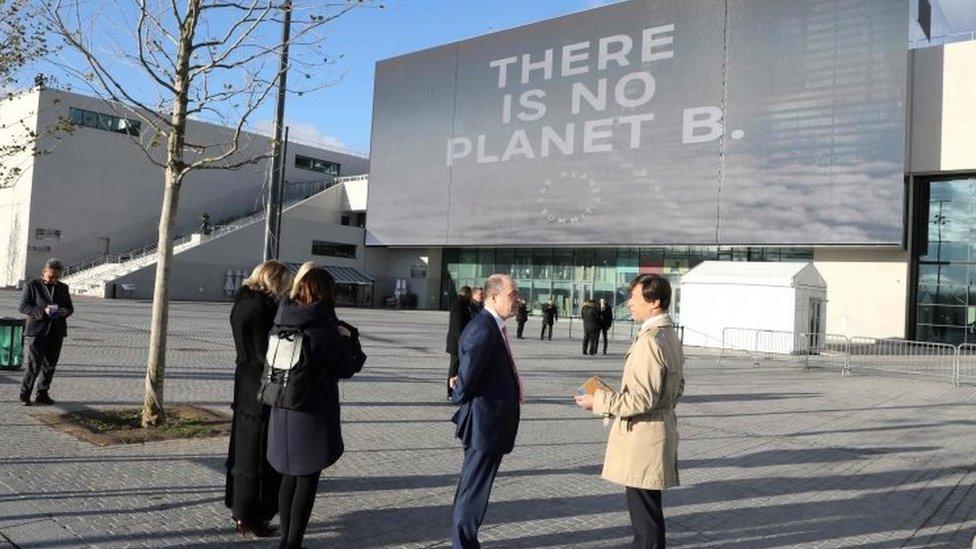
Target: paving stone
773, 456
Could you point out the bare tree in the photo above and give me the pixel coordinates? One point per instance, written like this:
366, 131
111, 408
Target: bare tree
209, 59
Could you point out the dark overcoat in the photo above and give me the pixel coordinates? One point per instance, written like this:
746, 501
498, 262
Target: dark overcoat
251, 320
305, 442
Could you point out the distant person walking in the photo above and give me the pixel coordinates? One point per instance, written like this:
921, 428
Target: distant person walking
606, 321
251, 490
206, 227
488, 392
591, 327
302, 443
550, 314
642, 450
47, 304
521, 317
459, 317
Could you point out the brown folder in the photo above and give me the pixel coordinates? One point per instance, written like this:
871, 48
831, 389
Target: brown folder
591, 385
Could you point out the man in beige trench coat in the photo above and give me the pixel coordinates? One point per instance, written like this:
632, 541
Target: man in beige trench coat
642, 450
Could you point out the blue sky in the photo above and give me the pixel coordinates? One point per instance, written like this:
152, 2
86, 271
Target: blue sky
342, 114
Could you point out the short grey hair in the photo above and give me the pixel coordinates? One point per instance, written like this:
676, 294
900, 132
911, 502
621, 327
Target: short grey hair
496, 283
54, 264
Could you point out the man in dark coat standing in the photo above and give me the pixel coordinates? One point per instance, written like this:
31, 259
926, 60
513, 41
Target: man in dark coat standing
550, 314
477, 299
459, 318
488, 392
591, 327
47, 304
521, 316
606, 321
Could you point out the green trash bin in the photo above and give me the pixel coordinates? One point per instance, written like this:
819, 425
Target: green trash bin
11, 343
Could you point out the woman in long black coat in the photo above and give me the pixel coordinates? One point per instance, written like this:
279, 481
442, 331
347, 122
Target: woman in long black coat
303, 443
252, 484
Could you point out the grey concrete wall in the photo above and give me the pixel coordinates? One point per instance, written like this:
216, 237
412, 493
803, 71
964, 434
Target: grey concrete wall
17, 116
98, 184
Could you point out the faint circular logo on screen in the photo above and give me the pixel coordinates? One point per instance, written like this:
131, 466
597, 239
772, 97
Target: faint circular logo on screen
569, 198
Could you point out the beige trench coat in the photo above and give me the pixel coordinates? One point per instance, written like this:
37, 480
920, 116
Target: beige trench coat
642, 450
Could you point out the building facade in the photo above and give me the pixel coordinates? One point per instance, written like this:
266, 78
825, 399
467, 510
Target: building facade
856, 153
93, 192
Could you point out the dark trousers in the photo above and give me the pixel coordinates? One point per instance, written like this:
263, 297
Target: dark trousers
544, 326
590, 340
521, 328
452, 371
256, 485
604, 332
471, 499
295, 501
647, 518
42, 358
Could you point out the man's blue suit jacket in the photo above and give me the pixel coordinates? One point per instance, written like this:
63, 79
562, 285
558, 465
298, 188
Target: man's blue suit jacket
487, 391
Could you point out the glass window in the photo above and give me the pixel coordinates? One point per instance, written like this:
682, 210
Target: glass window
542, 263
104, 122
562, 264
317, 165
333, 249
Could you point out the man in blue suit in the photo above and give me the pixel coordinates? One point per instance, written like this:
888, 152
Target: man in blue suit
488, 392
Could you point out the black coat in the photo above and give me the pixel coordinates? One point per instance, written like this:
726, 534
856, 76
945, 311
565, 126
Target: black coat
35, 298
251, 320
591, 318
302, 443
460, 316
550, 313
606, 318
522, 315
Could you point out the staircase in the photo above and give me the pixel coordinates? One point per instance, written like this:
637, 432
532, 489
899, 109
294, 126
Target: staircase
93, 276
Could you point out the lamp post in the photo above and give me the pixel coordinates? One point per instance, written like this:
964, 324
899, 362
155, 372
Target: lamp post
272, 223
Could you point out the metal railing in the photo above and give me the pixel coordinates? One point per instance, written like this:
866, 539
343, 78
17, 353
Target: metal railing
851, 355
965, 363
903, 357
294, 192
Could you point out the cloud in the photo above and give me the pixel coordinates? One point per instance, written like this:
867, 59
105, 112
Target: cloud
303, 132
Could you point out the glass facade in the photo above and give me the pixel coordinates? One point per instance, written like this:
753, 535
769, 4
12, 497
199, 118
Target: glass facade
571, 275
946, 258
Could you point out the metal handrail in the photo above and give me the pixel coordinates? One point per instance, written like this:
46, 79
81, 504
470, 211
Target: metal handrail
222, 228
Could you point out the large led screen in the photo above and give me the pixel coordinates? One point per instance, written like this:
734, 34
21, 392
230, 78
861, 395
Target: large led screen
766, 122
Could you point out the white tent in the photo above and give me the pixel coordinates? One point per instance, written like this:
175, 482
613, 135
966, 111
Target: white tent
735, 299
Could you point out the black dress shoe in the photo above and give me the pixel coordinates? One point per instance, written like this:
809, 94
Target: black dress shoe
25, 400
43, 399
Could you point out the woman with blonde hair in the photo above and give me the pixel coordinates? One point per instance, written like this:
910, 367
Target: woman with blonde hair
252, 484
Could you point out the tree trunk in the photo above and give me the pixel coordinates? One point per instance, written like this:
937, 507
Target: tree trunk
153, 413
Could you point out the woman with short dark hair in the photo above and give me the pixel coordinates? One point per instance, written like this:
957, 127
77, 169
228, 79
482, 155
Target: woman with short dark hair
252, 485
303, 443
642, 450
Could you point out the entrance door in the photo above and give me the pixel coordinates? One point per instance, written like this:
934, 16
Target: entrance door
103, 245
816, 328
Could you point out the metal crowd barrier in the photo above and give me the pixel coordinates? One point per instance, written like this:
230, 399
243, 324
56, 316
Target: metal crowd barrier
966, 363
956, 364
903, 357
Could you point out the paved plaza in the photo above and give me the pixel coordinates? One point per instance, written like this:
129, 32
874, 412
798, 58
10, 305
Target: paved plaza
769, 457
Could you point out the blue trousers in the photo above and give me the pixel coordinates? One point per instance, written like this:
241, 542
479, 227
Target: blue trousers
471, 499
